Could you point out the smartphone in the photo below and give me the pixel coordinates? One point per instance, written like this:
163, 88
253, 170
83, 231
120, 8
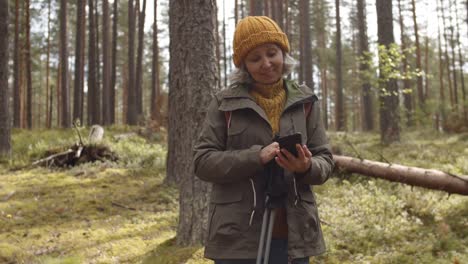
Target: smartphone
289, 142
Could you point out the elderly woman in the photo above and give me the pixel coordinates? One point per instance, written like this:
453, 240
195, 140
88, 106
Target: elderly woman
237, 142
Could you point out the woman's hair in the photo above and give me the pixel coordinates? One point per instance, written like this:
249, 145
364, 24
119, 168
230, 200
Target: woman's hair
242, 76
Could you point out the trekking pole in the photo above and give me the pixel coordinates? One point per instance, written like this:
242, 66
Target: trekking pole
270, 231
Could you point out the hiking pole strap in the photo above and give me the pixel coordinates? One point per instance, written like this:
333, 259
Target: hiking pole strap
270, 231
261, 245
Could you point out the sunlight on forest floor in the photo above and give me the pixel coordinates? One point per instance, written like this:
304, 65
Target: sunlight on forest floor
121, 212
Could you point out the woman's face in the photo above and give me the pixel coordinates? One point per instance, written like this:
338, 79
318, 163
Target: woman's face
265, 63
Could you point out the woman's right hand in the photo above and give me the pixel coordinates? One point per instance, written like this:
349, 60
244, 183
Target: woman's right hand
268, 153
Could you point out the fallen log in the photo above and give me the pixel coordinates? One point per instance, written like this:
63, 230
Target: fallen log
427, 178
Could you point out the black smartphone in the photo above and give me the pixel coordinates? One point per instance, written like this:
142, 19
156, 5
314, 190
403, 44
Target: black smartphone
289, 142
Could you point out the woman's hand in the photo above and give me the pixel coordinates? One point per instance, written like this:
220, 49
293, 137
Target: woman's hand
299, 164
269, 152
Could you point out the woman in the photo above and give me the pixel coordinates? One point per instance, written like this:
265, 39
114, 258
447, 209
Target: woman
236, 143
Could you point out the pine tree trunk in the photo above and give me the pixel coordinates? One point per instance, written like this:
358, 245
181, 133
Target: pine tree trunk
461, 63
5, 127
441, 102
388, 90
452, 48
114, 63
339, 103
407, 93
16, 71
48, 88
131, 101
421, 102
225, 58
65, 96
189, 94
256, 7
106, 66
363, 50
305, 31
28, 66
93, 89
447, 58
155, 70
79, 62
139, 67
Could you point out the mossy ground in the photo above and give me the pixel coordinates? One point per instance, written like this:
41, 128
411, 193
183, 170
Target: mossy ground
122, 212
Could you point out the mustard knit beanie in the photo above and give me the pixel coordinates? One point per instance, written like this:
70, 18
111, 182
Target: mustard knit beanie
253, 31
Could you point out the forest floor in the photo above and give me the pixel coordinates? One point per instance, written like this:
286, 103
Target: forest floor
122, 212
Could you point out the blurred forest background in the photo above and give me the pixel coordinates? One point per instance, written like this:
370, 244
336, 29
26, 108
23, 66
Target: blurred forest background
390, 76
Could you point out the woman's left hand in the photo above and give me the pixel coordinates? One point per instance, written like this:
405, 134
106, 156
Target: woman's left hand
299, 164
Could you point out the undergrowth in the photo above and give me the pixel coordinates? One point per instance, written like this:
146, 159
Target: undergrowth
122, 212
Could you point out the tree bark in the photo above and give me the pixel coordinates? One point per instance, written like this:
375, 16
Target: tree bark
432, 179
79, 60
388, 92
339, 103
441, 102
447, 58
256, 7
461, 63
5, 127
106, 66
363, 49
65, 96
131, 101
191, 90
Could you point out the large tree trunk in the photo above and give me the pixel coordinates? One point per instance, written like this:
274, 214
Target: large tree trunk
190, 91
339, 103
441, 117
388, 90
256, 7
106, 66
447, 58
461, 63
65, 96
79, 60
131, 92
363, 44
432, 179
5, 127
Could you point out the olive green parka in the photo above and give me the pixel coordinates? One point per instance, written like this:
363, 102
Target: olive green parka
229, 159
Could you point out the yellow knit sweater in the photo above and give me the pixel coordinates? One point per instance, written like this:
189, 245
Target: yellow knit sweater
271, 98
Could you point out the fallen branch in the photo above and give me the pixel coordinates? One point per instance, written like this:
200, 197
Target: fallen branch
51, 157
432, 179
123, 206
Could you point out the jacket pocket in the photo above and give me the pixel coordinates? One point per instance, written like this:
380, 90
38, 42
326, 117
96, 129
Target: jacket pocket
304, 220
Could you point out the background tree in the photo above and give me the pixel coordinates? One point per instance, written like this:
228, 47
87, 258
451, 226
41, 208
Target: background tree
306, 52
388, 88
65, 98
139, 61
106, 66
189, 93
94, 116
339, 103
114, 62
155, 89
132, 114
79, 60
363, 51
28, 72
16, 70
418, 58
5, 130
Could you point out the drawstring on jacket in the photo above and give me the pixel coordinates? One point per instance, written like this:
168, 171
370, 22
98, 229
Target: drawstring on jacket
254, 202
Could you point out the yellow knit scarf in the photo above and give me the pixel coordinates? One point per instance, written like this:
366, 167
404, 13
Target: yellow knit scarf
271, 98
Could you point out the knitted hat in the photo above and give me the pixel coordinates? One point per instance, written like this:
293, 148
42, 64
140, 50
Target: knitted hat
253, 31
